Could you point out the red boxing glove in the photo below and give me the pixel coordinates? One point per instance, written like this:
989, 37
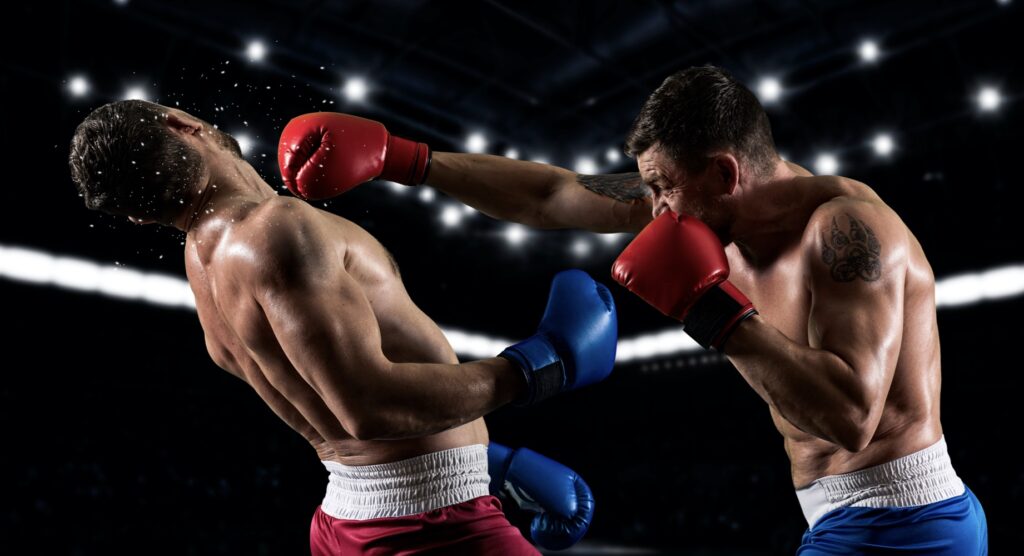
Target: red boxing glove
678, 265
324, 154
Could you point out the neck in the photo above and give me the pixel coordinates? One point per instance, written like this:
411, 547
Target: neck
226, 188
771, 213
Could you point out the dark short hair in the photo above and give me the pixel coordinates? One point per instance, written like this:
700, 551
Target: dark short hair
699, 110
125, 160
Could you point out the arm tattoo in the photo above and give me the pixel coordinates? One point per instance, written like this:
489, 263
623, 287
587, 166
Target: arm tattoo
621, 187
853, 255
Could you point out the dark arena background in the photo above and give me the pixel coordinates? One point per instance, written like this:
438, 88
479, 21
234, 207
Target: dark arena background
120, 436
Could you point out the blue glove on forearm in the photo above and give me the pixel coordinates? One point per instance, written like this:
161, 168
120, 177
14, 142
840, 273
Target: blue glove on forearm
575, 343
563, 502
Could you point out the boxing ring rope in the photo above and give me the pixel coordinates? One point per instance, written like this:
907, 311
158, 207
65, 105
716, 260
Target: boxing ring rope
115, 280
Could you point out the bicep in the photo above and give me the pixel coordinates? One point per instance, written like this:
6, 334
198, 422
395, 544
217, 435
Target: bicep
857, 270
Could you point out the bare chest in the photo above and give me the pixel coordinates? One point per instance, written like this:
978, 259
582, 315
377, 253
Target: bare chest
779, 293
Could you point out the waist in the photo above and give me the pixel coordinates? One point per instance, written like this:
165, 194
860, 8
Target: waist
408, 486
920, 478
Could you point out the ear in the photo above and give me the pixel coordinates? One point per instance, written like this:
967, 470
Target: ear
184, 123
728, 170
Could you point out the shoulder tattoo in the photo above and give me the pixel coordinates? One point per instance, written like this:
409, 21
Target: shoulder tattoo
853, 254
621, 187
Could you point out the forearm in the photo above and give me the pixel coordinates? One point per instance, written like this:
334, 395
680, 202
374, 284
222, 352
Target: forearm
813, 389
407, 400
500, 187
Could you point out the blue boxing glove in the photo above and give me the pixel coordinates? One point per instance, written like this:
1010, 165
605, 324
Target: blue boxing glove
575, 343
563, 502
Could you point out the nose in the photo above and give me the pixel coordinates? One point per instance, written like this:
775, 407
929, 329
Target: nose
658, 206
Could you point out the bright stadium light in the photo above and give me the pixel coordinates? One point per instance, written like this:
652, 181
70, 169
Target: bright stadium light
515, 234
826, 164
989, 99
245, 143
476, 143
451, 216
355, 89
586, 165
426, 194
613, 155
512, 153
78, 86
581, 247
883, 144
868, 51
769, 90
256, 51
135, 93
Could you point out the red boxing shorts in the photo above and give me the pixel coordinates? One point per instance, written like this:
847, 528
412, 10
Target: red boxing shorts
436, 503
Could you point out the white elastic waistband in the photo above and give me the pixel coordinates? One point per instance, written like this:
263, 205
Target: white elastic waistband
406, 487
916, 479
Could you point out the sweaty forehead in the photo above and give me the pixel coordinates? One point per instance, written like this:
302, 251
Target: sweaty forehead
652, 164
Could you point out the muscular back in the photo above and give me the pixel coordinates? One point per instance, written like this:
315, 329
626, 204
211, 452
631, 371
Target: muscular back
782, 292
294, 240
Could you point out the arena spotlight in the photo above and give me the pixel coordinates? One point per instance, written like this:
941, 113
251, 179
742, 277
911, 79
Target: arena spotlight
515, 234
868, 51
355, 89
245, 143
476, 143
613, 155
989, 99
826, 164
135, 93
78, 86
883, 144
512, 153
580, 248
540, 160
426, 194
612, 239
451, 216
585, 165
397, 187
769, 90
256, 51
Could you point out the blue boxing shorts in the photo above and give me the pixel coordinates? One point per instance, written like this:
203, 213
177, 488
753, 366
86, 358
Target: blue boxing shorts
912, 505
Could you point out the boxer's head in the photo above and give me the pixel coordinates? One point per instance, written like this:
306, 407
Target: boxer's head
142, 160
696, 137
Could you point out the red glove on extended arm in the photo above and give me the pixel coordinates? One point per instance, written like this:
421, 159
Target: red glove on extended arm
678, 265
324, 154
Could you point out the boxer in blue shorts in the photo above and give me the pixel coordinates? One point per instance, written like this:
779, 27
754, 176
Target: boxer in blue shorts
812, 286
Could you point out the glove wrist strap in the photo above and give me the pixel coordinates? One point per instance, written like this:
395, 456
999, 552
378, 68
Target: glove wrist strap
405, 161
716, 314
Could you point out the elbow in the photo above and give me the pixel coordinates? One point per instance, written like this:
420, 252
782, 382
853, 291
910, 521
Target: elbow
854, 439
856, 429
364, 425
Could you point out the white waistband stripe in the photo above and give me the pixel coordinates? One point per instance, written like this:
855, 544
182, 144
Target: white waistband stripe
924, 477
406, 487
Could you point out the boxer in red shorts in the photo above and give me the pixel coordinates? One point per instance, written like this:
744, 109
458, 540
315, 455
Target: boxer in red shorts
310, 311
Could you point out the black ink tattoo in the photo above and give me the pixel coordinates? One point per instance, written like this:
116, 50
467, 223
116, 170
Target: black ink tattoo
621, 187
853, 255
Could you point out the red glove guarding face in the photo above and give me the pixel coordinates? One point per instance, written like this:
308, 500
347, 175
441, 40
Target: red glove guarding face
678, 265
